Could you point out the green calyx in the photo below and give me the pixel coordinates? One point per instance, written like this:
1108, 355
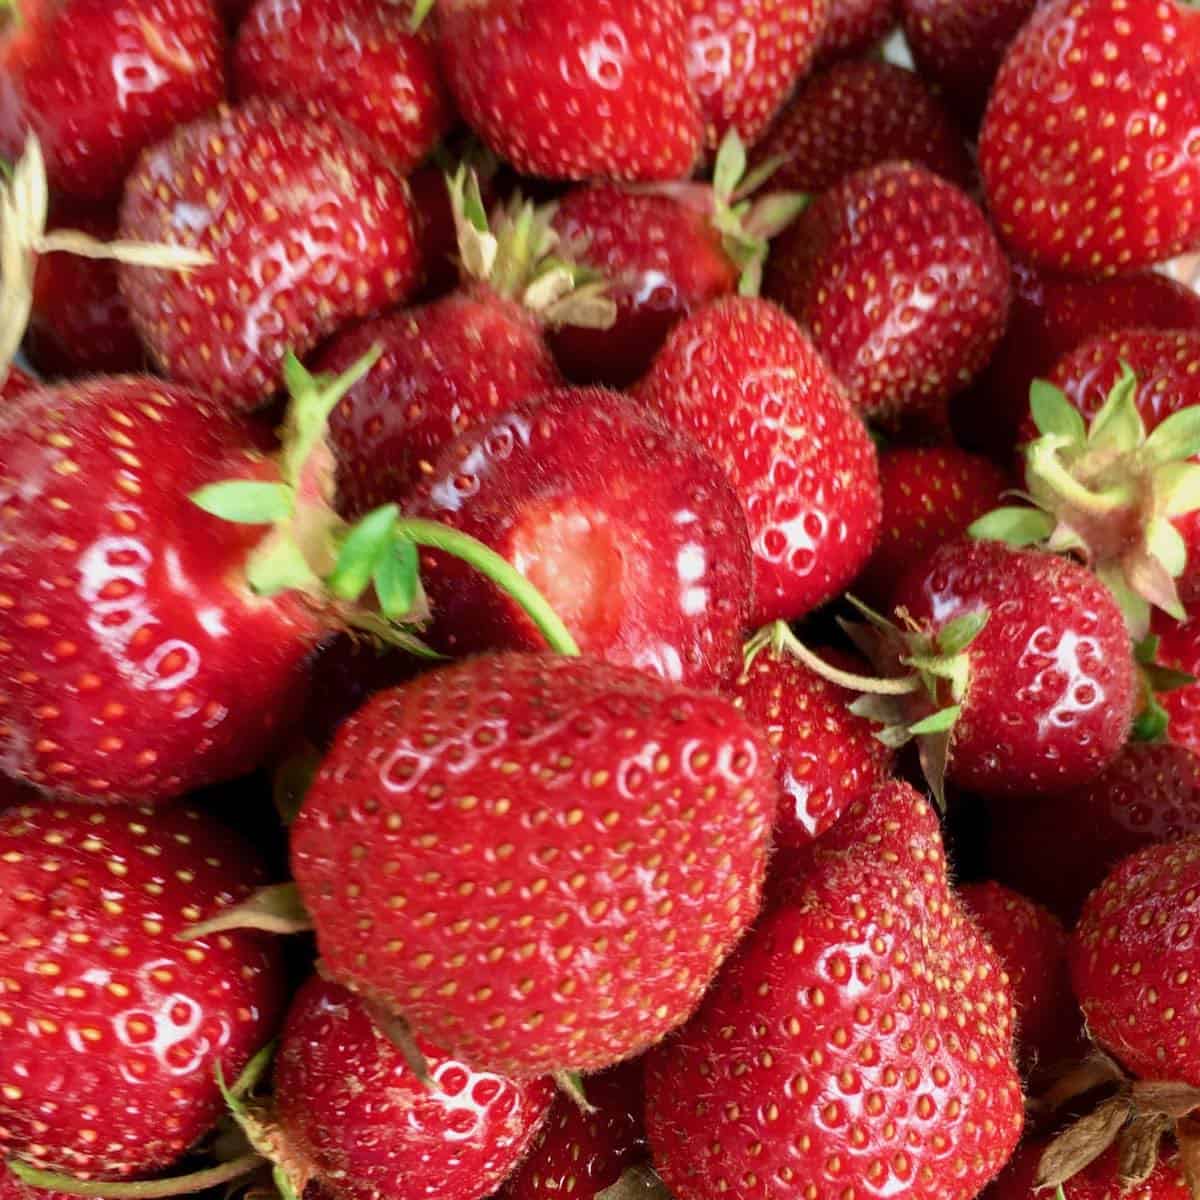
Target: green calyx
420, 11
1109, 492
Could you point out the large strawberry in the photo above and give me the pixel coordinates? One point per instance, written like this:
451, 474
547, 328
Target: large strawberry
575, 89
1088, 147
99, 80
606, 847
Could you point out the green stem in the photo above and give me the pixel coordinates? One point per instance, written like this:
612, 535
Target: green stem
499, 570
780, 637
149, 1189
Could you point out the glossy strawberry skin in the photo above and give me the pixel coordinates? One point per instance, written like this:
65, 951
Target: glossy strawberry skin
445, 367
1052, 686
902, 284
1110, 184
854, 27
134, 664
747, 384
309, 229
1097, 1181
857, 114
630, 531
355, 59
610, 837
575, 89
350, 1107
112, 1028
99, 80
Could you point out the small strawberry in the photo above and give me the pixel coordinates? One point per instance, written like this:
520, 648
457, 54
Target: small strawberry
854, 27
1108, 183
356, 59
902, 284
746, 383
1100, 1180
858, 114
307, 229
609, 836
575, 89
97, 81
111, 1026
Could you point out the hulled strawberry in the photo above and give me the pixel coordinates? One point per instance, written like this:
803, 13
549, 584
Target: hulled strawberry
609, 838
307, 228
746, 383
575, 89
1109, 183
1099, 1180
854, 27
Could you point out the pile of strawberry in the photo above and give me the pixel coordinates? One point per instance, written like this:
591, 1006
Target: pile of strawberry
600, 599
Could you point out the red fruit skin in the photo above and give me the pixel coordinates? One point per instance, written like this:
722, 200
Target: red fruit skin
930, 495
858, 114
580, 1154
114, 1026
1058, 852
99, 80
1052, 683
854, 27
1097, 1181
902, 284
610, 837
445, 367
748, 385
308, 227
744, 57
1179, 648
1110, 184
135, 664
630, 531
575, 89
354, 59
662, 259
352, 1110
11, 1188
1132, 957
16, 383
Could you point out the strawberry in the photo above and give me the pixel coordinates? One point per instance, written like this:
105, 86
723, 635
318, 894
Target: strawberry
573, 89
631, 532
610, 833
854, 27
858, 1042
745, 382
857, 114
1106, 184
308, 229
902, 284
1179, 650
356, 59
16, 383
99, 80
111, 1026
1098, 1181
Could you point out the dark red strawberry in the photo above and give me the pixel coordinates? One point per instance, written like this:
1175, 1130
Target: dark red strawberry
629, 530
854, 27
308, 228
1179, 650
745, 382
609, 835
858, 114
111, 1026
575, 89
99, 80
903, 285
1097, 1181
1108, 183
357, 59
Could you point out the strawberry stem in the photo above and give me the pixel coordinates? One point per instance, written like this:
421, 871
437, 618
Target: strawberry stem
780, 638
149, 1189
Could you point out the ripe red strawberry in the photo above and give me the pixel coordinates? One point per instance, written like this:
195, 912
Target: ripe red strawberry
309, 229
609, 835
629, 530
578, 1154
1097, 1181
356, 59
858, 1042
745, 56
903, 285
858, 114
930, 495
1108, 183
111, 1027
16, 383
1179, 650
575, 89
99, 80
854, 27
746, 383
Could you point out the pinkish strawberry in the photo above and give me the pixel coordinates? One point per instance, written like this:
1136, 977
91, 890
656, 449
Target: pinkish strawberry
854, 27
1110, 183
746, 383
609, 839
575, 89
1098, 1181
